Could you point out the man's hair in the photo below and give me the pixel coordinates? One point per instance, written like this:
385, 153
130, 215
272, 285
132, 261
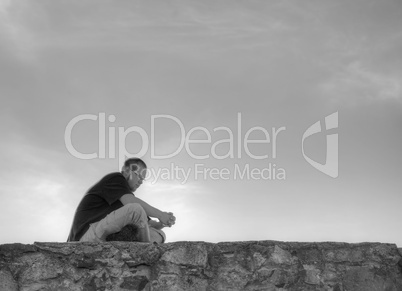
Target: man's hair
134, 161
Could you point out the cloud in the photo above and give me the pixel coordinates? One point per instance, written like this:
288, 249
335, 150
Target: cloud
36, 26
16, 37
39, 191
356, 83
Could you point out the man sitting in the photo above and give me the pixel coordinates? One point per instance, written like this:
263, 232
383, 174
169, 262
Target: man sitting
110, 205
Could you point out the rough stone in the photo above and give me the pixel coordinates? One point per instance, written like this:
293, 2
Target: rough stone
187, 254
7, 281
254, 265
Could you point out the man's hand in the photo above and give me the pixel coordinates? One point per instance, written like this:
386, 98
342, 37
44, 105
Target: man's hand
167, 218
172, 219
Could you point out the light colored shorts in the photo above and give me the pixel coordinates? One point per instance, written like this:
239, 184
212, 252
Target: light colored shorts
131, 213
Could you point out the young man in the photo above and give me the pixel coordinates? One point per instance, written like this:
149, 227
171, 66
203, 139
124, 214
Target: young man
110, 205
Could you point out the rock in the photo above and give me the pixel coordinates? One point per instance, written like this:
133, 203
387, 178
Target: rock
7, 281
255, 265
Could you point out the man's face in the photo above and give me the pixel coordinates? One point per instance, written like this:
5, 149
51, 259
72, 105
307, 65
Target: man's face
136, 177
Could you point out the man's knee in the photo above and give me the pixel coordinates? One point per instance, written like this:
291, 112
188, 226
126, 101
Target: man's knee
136, 211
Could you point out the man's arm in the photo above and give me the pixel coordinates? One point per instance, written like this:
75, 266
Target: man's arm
164, 217
156, 224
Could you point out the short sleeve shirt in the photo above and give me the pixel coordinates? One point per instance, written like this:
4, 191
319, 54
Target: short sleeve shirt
100, 200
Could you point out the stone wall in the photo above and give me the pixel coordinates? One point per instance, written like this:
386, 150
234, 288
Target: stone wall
256, 265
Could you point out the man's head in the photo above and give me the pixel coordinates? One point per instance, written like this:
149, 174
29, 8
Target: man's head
135, 171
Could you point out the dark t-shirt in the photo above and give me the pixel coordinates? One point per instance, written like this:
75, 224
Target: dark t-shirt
100, 200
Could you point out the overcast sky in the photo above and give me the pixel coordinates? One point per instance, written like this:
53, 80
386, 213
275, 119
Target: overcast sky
96, 77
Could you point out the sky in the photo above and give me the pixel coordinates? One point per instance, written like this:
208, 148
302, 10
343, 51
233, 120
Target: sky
229, 92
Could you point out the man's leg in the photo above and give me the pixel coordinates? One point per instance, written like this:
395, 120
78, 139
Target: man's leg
131, 213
